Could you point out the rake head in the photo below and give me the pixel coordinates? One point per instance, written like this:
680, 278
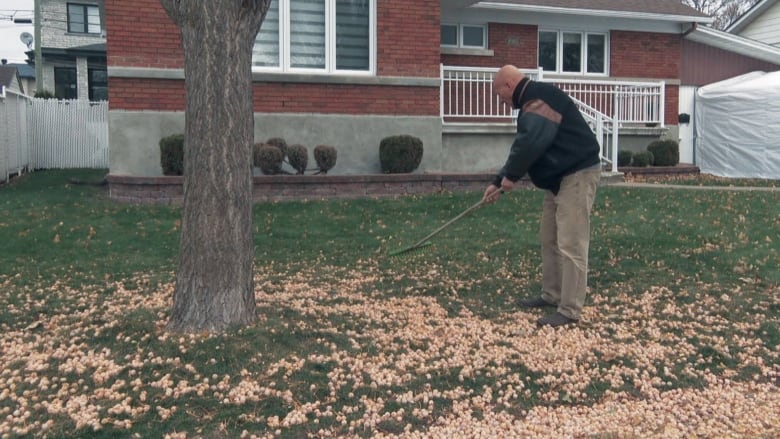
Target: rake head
411, 250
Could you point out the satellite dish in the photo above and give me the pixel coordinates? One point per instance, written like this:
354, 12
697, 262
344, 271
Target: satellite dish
27, 39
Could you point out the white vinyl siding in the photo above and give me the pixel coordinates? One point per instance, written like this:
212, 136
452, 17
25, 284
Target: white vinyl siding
765, 28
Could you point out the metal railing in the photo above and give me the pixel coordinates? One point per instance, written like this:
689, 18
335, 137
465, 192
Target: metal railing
605, 129
626, 102
467, 96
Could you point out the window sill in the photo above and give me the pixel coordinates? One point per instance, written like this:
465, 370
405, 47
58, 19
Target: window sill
466, 51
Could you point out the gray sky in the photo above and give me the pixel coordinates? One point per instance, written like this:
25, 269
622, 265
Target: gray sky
11, 47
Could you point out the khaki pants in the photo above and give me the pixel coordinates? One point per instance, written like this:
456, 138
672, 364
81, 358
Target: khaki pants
565, 236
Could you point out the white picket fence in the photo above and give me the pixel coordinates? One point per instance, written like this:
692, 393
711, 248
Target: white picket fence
51, 134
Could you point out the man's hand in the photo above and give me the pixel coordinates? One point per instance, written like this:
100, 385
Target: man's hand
493, 192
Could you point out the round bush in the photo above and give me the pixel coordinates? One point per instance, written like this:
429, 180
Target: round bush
172, 154
325, 156
298, 157
279, 143
665, 152
400, 154
624, 157
268, 158
643, 158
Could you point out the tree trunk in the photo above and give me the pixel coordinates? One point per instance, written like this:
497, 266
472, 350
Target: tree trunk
214, 283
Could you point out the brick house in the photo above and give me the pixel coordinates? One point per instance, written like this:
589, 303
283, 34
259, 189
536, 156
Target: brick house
349, 72
73, 50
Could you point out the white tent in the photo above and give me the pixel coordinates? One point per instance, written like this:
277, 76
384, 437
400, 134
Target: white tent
737, 126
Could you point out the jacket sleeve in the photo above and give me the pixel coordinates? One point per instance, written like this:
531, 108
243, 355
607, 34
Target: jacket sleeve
536, 130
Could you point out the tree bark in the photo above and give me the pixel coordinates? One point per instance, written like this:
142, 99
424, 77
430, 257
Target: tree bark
214, 282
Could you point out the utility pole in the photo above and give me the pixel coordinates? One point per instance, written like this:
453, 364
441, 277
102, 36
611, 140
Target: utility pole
38, 55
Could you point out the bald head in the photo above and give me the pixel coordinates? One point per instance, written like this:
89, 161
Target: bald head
505, 82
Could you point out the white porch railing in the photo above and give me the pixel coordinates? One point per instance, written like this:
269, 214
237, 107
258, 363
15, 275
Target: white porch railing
626, 102
467, 97
606, 132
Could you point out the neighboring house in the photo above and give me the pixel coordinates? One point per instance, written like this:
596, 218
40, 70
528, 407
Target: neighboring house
760, 23
9, 79
374, 68
73, 49
26, 76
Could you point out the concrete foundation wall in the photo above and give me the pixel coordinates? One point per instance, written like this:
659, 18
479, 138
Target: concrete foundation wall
134, 138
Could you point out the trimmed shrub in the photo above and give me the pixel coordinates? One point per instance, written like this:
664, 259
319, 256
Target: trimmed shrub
279, 143
172, 154
268, 158
665, 152
298, 156
325, 156
400, 154
624, 157
643, 158
44, 94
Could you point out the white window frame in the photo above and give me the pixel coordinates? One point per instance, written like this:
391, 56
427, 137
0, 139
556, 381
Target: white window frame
459, 34
330, 43
583, 52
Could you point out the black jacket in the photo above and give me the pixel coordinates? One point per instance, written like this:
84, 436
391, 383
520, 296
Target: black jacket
553, 140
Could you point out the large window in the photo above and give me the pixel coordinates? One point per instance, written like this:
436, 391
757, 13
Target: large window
317, 36
65, 83
83, 19
573, 52
463, 35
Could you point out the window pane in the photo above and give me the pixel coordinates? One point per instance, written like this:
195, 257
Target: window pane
93, 20
65, 83
449, 35
307, 33
473, 36
266, 50
76, 19
572, 52
596, 54
98, 85
548, 47
352, 39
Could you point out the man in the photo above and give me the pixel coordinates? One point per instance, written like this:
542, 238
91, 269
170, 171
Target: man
558, 150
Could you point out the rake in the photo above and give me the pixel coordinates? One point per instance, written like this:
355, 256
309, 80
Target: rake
421, 245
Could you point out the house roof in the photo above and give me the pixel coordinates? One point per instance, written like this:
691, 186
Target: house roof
7, 75
750, 15
734, 43
670, 10
25, 70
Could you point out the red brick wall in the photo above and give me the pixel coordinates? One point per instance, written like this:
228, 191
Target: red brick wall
169, 95
646, 55
408, 38
511, 44
140, 34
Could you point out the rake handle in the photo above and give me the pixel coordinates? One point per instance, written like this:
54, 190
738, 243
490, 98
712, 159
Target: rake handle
448, 223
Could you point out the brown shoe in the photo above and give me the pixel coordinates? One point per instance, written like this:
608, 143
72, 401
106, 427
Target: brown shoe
536, 302
556, 320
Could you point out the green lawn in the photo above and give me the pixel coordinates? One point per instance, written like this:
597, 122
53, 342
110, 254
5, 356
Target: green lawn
679, 337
